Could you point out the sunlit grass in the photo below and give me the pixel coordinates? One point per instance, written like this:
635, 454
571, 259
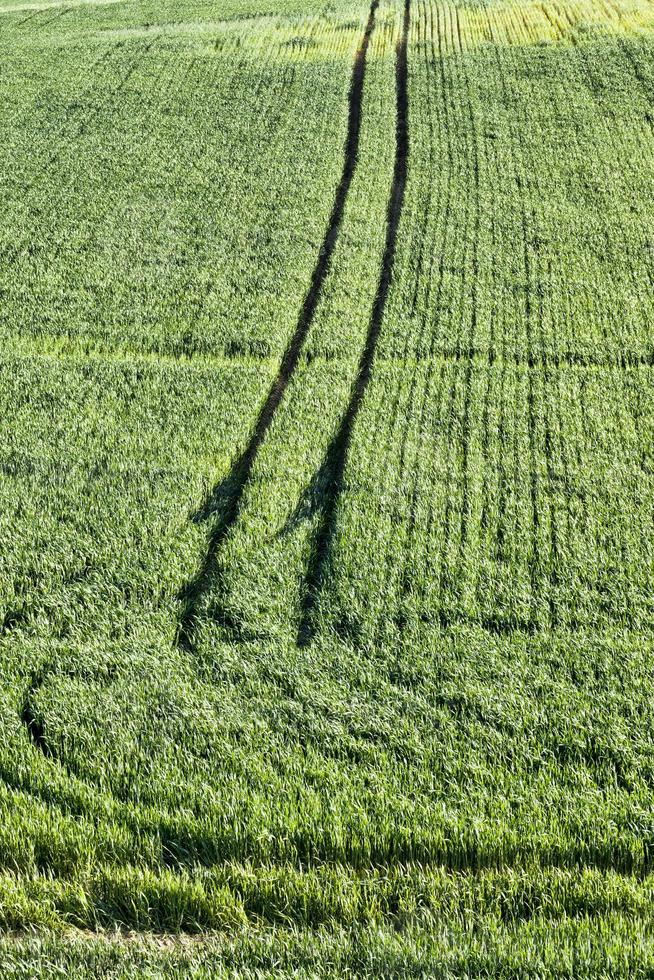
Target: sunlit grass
420, 739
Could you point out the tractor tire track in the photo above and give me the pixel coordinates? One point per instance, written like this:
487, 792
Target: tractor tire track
30, 718
337, 453
225, 498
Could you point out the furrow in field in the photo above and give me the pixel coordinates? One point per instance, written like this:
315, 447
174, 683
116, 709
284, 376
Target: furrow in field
70, 352
30, 719
61, 350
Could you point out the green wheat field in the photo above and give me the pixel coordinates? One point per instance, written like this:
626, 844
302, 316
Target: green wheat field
326, 488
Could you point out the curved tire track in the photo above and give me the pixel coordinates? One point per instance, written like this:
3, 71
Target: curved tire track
30, 718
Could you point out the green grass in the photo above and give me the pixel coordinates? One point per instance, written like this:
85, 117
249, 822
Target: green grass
582, 949
374, 697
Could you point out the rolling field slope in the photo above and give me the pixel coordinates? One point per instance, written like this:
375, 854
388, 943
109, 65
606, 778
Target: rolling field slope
327, 483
